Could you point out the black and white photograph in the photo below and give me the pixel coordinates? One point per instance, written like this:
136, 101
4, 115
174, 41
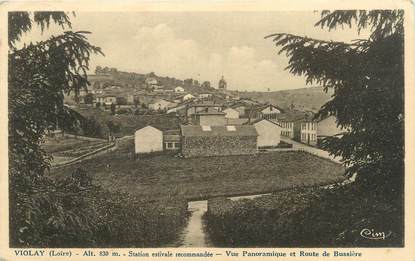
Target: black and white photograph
206, 129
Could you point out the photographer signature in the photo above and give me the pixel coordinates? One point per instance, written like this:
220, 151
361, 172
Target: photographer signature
374, 235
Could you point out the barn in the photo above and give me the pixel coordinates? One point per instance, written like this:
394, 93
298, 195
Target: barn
148, 139
202, 141
269, 133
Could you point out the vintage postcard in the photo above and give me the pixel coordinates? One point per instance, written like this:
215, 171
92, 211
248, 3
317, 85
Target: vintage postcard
197, 130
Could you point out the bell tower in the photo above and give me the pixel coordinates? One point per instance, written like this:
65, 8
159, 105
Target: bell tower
222, 84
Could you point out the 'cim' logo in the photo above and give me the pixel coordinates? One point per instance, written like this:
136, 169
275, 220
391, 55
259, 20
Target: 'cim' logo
371, 234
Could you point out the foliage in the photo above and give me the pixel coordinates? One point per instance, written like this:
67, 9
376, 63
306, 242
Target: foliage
113, 127
306, 217
39, 74
367, 79
89, 98
74, 212
91, 128
113, 108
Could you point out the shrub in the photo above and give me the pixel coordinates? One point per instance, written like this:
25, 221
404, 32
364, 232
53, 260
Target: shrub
306, 217
76, 213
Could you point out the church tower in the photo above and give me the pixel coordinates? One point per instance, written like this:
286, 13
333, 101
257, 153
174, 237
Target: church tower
222, 84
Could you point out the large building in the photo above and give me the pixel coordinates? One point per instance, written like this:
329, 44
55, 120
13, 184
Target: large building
148, 139
305, 130
208, 117
200, 141
269, 133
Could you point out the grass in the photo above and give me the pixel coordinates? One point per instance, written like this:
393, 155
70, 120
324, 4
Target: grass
165, 176
66, 148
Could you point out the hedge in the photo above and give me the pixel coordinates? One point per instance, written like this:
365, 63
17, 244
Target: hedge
312, 217
76, 213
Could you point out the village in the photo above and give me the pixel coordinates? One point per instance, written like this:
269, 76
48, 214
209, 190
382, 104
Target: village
207, 121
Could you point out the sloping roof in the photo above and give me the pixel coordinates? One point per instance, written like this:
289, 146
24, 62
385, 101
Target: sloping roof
209, 111
171, 135
159, 100
197, 131
258, 120
291, 116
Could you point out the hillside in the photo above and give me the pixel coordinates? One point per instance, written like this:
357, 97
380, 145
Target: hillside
311, 98
132, 82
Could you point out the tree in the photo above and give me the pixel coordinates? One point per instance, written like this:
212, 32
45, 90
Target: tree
367, 78
98, 70
206, 84
39, 75
121, 100
188, 82
113, 108
91, 128
113, 128
89, 98
136, 102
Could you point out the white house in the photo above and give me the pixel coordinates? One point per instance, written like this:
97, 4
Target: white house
231, 113
270, 109
148, 139
179, 89
188, 97
151, 81
269, 133
160, 104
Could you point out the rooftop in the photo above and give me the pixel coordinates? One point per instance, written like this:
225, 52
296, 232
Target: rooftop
198, 131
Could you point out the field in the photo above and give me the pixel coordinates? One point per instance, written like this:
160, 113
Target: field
165, 176
66, 148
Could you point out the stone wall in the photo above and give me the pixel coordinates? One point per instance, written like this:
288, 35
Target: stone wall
218, 146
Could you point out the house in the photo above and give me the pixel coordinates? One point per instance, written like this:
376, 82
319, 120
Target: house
267, 111
150, 81
177, 109
193, 107
148, 139
287, 119
188, 97
270, 112
209, 116
239, 121
160, 104
305, 130
327, 127
269, 133
231, 113
218, 140
179, 89
106, 99
205, 95
171, 139
240, 109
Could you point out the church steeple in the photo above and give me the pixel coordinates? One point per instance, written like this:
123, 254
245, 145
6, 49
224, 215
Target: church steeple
222, 84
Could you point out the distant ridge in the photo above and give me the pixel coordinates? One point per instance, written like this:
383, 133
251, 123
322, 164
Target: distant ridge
309, 98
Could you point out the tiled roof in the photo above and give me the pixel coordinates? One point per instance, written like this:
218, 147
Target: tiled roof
294, 115
197, 131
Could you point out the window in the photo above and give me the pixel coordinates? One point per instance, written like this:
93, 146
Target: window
169, 145
303, 126
176, 144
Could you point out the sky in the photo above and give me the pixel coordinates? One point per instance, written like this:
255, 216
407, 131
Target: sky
200, 45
